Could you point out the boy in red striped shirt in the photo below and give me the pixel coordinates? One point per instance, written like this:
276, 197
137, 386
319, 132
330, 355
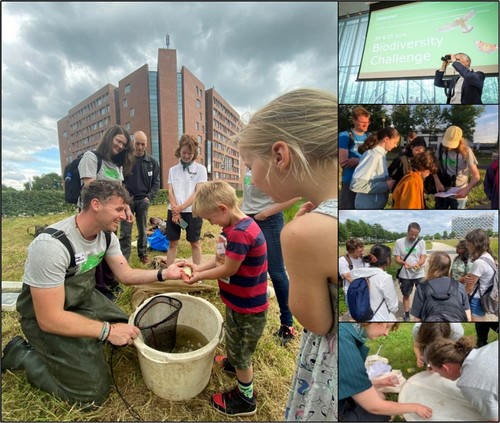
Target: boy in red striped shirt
240, 267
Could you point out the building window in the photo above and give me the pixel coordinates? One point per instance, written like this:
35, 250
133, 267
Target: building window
127, 89
125, 102
127, 126
198, 103
197, 126
132, 112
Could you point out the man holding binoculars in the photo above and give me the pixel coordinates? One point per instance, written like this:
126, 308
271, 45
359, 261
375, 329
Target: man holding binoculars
466, 87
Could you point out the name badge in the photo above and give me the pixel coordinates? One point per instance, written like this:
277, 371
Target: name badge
80, 258
150, 173
220, 248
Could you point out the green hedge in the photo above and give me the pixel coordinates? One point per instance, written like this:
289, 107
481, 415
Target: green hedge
161, 197
35, 203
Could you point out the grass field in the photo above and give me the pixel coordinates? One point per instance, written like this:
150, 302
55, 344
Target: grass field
273, 363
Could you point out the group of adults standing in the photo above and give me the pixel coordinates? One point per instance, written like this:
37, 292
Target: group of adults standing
470, 273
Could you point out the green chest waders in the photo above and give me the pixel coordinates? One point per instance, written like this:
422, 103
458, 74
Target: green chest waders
73, 369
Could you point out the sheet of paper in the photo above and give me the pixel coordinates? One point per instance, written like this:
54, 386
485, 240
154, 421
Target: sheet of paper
450, 193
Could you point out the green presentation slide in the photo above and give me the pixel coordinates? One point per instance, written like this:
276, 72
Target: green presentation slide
408, 41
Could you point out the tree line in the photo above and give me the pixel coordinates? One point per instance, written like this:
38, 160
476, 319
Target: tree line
376, 232
431, 119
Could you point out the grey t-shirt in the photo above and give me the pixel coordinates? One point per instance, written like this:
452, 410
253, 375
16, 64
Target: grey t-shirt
401, 248
254, 200
450, 162
109, 171
479, 380
48, 259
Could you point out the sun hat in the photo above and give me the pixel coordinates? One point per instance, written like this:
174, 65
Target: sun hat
452, 137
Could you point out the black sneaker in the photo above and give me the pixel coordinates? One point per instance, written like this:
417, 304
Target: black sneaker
234, 403
407, 317
286, 333
225, 365
14, 353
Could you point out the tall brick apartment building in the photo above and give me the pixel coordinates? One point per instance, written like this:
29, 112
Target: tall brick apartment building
164, 104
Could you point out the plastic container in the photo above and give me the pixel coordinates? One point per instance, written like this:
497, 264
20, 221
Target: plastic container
180, 377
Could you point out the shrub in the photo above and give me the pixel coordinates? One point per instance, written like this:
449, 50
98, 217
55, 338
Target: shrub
34, 203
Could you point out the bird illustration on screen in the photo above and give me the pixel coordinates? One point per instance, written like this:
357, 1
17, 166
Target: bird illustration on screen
461, 23
486, 47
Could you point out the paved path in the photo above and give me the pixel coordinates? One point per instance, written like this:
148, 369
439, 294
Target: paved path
436, 246
440, 246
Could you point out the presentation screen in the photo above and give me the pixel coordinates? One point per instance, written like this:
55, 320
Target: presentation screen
408, 40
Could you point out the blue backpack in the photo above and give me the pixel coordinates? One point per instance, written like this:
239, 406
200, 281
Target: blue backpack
358, 300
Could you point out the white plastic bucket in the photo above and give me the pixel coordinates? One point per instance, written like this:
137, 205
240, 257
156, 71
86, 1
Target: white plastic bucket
182, 376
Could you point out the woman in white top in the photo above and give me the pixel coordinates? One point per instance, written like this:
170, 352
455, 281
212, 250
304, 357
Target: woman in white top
484, 266
370, 180
382, 292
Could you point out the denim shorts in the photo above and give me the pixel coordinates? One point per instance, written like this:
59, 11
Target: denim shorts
475, 307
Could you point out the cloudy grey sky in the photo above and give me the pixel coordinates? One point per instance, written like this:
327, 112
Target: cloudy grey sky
431, 221
55, 55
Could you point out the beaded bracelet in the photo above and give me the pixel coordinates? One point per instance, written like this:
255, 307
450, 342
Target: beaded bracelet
106, 327
159, 275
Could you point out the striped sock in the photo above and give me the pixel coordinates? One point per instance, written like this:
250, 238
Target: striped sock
246, 388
